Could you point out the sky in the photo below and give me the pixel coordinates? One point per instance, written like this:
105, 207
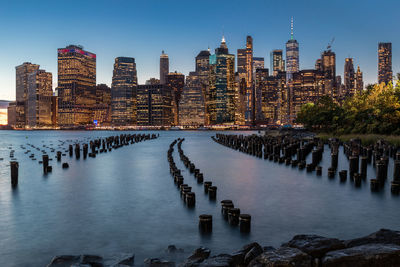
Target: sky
31, 31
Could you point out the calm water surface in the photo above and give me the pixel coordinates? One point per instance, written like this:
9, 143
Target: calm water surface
126, 201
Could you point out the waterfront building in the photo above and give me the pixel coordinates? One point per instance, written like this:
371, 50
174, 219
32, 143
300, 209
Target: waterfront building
175, 81
292, 55
277, 62
164, 67
385, 74
123, 92
21, 91
102, 110
76, 85
154, 106
11, 114
220, 98
39, 99
191, 107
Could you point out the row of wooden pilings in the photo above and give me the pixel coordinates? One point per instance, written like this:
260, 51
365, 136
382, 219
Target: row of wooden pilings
98, 145
293, 151
205, 220
228, 210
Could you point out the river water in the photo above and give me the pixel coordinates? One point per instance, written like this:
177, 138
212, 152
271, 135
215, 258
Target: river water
126, 201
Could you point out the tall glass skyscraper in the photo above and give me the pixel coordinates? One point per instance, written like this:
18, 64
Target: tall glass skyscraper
123, 92
292, 55
220, 101
76, 85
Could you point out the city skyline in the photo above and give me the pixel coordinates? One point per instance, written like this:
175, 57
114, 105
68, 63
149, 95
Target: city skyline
182, 45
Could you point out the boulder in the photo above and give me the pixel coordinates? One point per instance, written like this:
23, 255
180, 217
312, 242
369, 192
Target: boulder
369, 255
124, 259
64, 260
283, 257
383, 236
94, 260
155, 262
246, 254
315, 245
221, 260
198, 256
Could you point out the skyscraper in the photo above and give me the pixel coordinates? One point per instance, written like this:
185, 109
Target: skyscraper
385, 74
203, 62
258, 63
123, 92
175, 81
221, 92
164, 67
191, 107
154, 105
349, 78
292, 55
359, 84
328, 65
76, 85
277, 62
102, 110
39, 99
21, 94
245, 71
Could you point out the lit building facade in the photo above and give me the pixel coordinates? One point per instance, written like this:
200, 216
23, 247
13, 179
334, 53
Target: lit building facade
21, 94
102, 109
175, 81
258, 63
76, 86
220, 100
277, 62
154, 106
123, 92
191, 108
164, 67
39, 99
349, 77
359, 83
292, 55
385, 73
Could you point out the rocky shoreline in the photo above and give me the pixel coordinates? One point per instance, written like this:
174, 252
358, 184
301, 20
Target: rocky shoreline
381, 248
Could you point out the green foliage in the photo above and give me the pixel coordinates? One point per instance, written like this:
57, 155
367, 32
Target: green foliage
374, 111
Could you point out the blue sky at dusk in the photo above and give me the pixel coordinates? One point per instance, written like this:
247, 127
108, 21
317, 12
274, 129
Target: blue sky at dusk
33, 30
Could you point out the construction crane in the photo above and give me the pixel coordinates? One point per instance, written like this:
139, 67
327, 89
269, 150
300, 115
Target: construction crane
330, 44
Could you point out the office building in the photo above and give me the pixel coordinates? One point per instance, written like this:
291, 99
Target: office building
154, 106
123, 92
292, 55
76, 86
175, 81
164, 67
385, 74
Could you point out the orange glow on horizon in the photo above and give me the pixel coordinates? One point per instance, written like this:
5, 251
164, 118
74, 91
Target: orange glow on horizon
3, 116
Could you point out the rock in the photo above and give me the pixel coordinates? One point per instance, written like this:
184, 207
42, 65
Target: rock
268, 248
199, 255
64, 260
283, 257
91, 260
173, 249
221, 260
239, 257
314, 245
371, 255
383, 236
155, 262
124, 259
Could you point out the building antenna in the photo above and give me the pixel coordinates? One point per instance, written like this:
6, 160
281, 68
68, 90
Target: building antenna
291, 29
